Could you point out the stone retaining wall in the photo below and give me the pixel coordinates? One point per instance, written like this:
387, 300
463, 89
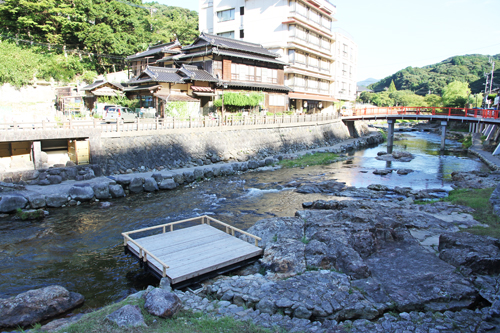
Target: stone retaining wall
172, 149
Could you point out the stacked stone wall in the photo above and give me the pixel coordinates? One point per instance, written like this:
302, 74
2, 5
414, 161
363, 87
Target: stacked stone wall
207, 146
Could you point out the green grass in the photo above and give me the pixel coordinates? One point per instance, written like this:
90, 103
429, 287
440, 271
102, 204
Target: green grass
478, 199
183, 322
384, 134
466, 142
310, 159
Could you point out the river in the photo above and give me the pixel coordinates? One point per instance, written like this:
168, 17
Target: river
81, 247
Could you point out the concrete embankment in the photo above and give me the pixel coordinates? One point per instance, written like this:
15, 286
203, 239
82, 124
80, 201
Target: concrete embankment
73, 192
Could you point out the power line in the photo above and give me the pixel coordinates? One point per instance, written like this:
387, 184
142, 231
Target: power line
63, 48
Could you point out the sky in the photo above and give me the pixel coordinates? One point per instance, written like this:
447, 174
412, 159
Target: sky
394, 34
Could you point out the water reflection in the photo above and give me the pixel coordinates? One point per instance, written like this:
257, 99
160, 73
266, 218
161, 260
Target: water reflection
81, 247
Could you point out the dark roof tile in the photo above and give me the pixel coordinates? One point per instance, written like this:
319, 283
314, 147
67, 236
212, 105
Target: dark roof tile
229, 43
161, 48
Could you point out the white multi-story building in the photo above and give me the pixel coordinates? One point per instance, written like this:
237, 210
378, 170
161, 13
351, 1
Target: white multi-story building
300, 31
345, 52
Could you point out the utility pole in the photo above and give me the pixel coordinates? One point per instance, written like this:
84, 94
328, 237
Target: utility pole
485, 90
492, 70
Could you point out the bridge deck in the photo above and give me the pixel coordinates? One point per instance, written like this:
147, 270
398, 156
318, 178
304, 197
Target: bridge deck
185, 255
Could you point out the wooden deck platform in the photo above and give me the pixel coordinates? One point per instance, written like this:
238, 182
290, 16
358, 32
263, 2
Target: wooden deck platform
194, 253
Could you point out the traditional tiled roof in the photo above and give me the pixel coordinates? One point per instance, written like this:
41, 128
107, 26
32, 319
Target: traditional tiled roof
229, 53
143, 87
257, 85
99, 83
196, 74
155, 49
207, 40
173, 75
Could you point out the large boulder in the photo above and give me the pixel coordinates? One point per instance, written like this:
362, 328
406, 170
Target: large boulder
127, 316
116, 191
56, 200
34, 306
150, 185
36, 200
167, 184
136, 185
477, 254
81, 192
11, 202
101, 190
161, 303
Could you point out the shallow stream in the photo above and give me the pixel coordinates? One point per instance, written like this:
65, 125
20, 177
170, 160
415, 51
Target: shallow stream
81, 247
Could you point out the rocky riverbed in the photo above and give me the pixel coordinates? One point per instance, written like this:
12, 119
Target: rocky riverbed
379, 263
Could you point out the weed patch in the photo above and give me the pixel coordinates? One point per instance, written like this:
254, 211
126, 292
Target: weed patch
312, 159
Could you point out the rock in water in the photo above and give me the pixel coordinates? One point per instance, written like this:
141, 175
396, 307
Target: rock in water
162, 303
36, 305
127, 316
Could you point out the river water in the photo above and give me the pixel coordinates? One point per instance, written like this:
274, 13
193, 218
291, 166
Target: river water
81, 247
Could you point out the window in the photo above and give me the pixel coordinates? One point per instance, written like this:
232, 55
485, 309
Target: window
229, 34
314, 16
242, 10
312, 62
323, 85
242, 34
291, 4
312, 84
234, 72
291, 56
325, 43
301, 58
250, 73
301, 9
300, 81
258, 74
325, 65
326, 22
225, 15
277, 100
217, 64
314, 39
270, 75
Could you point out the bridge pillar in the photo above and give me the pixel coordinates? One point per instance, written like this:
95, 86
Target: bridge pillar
443, 134
37, 154
390, 135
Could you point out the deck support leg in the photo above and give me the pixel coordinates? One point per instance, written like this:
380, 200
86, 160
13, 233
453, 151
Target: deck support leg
443, 134
37, 154
390, 135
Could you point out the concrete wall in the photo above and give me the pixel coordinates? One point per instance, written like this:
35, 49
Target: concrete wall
178, 148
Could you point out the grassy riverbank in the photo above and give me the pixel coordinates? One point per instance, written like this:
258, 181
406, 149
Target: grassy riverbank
478, 199
183, 322
310, 159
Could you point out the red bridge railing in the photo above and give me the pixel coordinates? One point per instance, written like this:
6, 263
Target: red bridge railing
427, 110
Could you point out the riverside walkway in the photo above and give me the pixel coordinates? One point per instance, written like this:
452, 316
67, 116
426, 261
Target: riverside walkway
194, 253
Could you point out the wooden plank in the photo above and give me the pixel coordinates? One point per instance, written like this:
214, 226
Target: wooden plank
21, 148
160, 247
177, 236
193, 251
197, 253
186, 274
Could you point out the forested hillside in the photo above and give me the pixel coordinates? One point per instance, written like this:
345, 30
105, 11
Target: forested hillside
83, 35
433, 78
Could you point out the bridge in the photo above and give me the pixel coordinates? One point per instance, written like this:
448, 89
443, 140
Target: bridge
479, 120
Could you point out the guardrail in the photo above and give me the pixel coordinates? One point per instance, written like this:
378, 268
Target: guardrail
422, 110
143, 253
168, 123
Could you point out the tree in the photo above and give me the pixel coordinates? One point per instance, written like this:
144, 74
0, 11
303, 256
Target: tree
392, 87
433, 100
455, 94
